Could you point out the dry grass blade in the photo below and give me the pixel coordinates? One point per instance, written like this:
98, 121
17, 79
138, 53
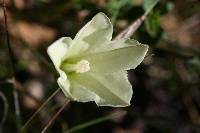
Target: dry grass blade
55, 116
15, 93
38, 110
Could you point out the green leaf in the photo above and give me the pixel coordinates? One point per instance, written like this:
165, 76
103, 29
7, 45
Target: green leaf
116, 60
81, 126
114, 7
148, 5
110, 89
152, 23
87, 124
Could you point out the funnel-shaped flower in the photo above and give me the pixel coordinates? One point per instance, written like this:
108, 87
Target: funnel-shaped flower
93, 68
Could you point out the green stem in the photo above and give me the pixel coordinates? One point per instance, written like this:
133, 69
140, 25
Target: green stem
88, 124
152, 6
115, 115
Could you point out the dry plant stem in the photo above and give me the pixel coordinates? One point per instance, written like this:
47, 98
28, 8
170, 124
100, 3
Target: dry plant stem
5, 112
39, 109
15, 93
8, 39
128, 32
55, 116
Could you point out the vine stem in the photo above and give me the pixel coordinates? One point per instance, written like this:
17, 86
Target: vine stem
55, 116
39, 109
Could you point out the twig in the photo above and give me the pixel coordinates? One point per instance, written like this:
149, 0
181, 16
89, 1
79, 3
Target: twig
39, 109
128, 32
15, 93
4, 99
54, 117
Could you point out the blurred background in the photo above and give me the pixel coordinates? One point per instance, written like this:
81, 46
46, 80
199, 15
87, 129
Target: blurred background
166, 85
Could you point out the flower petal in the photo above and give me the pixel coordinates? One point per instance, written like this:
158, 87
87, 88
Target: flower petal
116, 60
81, 94
74, 91
64, 84
97, 41
98, 44
58, 49
98, 23
112, 89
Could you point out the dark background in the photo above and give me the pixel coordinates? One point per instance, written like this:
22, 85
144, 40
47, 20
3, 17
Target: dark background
166, 85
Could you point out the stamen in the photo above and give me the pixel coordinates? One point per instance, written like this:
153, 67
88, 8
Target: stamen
80, 67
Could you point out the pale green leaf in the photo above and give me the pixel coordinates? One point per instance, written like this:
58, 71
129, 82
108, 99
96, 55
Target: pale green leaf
112, 89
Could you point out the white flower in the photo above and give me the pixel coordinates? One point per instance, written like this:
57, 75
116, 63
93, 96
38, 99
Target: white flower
93, 68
